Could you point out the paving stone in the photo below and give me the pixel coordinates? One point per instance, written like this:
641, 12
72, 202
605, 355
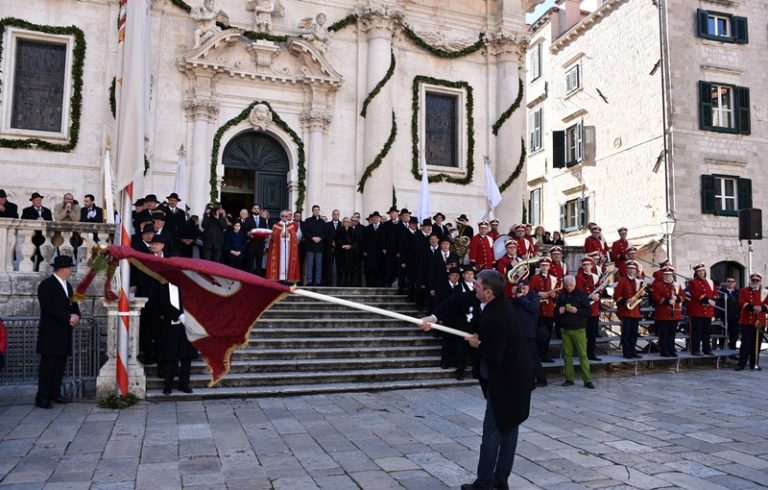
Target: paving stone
375, 479
682, 480
743, 459
396, 464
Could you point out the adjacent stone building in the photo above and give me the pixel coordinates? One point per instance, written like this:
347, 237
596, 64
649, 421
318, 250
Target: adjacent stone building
606, 81
287, 103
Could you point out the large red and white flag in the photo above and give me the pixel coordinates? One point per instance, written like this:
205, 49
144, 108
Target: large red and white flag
221, 304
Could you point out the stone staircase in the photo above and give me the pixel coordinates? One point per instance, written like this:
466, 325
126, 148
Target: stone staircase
301, 346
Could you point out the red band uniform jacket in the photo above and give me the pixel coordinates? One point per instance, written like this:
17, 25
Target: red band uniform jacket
661, 292
702, 290
753, 304
540, 284
587, 282
623, 292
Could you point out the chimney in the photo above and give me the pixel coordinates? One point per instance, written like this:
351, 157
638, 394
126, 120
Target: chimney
570, 14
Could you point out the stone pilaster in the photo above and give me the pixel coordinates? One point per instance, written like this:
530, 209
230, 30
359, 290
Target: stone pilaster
316, 123
203, 114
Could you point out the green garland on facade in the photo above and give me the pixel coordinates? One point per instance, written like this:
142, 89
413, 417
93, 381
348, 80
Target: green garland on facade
182, 5
394, 196
380, 157
278, 121
256, 36
76, 101
380, 85
518, 169
442, 53
342, 23
506, 114
469, 106
112, 100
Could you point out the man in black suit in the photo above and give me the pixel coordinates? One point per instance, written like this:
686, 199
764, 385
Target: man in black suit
441, 262
506, 375
58, 316
37, 212
314, 232
443, 291
329, 251
357, 261
391, 233
373, 252
403, 248
175, 218
7, 208
90, 212
254, 249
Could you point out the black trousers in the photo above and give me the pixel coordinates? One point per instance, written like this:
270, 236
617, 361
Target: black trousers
544, 334
538, 371
402, 279
748, 348
448, 349
593, 323
174, 367
732, 330
392, 266
666, 332
254, 250
374, 279
147, 339
49, 378
701, 329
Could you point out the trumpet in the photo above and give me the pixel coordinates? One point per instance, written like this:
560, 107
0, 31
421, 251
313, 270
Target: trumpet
637, 298
521, 270
556, 290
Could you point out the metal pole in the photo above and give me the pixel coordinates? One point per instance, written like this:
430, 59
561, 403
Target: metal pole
749, 251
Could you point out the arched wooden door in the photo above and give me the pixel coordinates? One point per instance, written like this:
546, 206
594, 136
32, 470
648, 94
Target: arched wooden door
255, 171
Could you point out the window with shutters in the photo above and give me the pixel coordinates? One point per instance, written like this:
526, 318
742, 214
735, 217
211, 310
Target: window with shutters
724, 108
573, 79
36, 71
722, 27
724, 195
535, 206
535, 61
574, 145
534, 124
574, 214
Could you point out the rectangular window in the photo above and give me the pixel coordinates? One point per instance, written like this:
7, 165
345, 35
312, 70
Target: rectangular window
535, 207
536, 61
722, 27
574, 145
573, 79
724, 195
441, 123
574, 214
724, 108
38, 85
534, 123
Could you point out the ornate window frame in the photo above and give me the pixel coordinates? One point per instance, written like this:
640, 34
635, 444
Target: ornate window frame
461, 126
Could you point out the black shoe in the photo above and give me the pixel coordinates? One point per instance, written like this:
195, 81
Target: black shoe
459, 375
471, 486
43, 404
444, 365
567, 383
61, 399
541, 384
739, 368
756, 368
166, 391
185, 389
547, 360
594, 358
589, 385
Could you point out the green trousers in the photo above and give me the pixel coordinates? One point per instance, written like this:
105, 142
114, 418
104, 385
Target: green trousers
576, 339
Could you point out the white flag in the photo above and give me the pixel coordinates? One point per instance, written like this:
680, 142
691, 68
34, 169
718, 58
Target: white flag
180, 185
491, 190
132, 91
109, 190
424, 210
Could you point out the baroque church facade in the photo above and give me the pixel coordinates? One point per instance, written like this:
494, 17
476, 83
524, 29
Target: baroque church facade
287, 103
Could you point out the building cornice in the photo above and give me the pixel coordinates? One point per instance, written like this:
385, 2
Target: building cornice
585, 24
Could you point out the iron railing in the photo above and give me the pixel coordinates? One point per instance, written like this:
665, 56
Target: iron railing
22, 360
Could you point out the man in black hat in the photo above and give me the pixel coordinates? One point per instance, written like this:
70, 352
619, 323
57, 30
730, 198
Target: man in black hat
391, 233
138, 216
419, 262
162, 230
444, 289
373, 247
466, 230
37, 212
175, 218
58, 316
438, 225
7, 208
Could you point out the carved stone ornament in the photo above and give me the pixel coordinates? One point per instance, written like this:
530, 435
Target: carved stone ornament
502, 43
260, 117
263, 10
316, 32
206, 16
449, 40
378, 17
315, 120
206, 110
263, 52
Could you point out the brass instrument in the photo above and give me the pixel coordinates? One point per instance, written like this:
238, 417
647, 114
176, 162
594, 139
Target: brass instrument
521, 270
460, 245
556, 290
637, 298
605, 280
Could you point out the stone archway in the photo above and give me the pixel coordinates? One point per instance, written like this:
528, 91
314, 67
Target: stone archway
721, 270
256, 170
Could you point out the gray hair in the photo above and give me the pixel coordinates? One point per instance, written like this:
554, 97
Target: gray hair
493, 280
569, 279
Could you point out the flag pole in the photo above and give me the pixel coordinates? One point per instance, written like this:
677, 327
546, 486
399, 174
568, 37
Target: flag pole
123, 303
378, 311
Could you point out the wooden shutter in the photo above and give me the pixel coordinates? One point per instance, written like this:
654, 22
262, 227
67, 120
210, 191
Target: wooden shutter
583, 210
708, 205
562, 217
740, 30
744, 193
705, 105
558, 149
743, 117
702, 23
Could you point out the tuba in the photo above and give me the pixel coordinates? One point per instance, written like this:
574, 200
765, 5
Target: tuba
460, 245
521, 270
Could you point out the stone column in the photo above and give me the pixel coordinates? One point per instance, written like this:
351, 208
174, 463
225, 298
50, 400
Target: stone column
106, 383
316, 124
380, 23
203, 114
509, 53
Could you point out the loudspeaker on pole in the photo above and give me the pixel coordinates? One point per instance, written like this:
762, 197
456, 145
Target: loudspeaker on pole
750, 224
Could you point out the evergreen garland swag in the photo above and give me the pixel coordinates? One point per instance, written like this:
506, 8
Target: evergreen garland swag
277, 120
380, 157
342, 23
506, 114
442, 53
380, 85
182, 5
518, 169
76, 102
112, 100
469, 107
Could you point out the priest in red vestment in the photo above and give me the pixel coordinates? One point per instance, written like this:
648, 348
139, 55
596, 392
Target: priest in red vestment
283, 256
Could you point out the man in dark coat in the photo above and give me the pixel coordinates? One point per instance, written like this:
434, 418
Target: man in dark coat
357, 265
254, 249
452, 347
175, 219
506, 374
329, 250
418, 263
315, 234
90, 212
7, 208
573, 310
37, 212
58, 316
391, 232
373, 246
526, 304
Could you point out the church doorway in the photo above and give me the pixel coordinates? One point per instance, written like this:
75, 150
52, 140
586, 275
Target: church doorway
721, 270
255, 171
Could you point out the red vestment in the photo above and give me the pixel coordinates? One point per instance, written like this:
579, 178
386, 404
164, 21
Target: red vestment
276, 246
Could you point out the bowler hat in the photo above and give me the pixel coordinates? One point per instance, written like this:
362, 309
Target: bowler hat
468, 268
439, 214
157, 239
158, 215
62, 261
454, 270
426, 222
405, 211
445, 238
2, 193
375, 213
413, 219
173, 196
463, 218
147, 228
139, 202
150, 197
392, 209
35, 195
522, 282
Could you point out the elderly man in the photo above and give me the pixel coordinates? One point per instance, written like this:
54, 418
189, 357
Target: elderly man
67, 209
573, 310
506, 374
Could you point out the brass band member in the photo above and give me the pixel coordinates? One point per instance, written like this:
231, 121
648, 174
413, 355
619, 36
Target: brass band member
505, 263
546, 285
494, 233
752, 301
619, 249
525, 248
481, 248
558, 268
668, 298
701, 310
596, 243
630, 318
587, 281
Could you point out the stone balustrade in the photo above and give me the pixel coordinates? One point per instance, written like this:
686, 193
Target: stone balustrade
17, 249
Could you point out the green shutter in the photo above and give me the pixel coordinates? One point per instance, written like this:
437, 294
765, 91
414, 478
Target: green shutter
702, 23
558, 149
705, 105
740, 30
743, 117
562, 217
583, 205
744, 193
708, 195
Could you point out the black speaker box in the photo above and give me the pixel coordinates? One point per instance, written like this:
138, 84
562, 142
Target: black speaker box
750, 224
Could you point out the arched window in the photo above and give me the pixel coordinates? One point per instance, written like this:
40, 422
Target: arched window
719, 271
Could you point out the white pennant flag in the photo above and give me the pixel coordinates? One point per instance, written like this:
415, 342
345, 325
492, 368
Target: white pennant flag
180, 185
491, 190
109, 189
424, 210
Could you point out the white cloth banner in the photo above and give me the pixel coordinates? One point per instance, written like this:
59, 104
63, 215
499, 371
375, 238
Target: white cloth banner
180, 185
491, 191
424, 210
109, 189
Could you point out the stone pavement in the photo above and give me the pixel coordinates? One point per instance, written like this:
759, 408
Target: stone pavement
699, 429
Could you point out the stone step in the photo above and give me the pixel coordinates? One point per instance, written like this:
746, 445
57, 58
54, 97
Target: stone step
331, 342
339, 291
329, 307
322, 323
156, 394
302, 330
330, 353
358, 298
319, 377
309, 313
314, 365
